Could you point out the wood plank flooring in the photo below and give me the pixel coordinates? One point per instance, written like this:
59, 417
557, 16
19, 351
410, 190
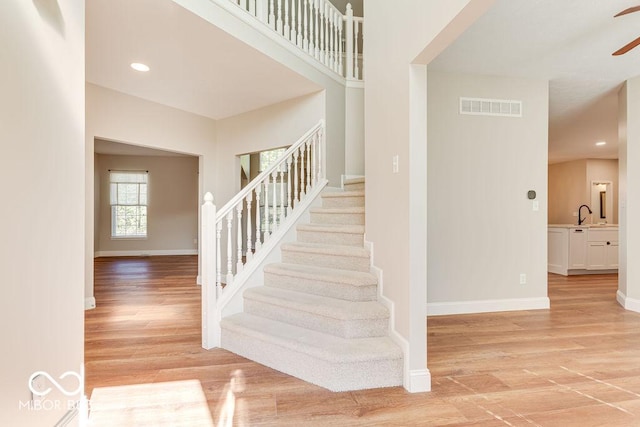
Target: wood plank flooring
577, 364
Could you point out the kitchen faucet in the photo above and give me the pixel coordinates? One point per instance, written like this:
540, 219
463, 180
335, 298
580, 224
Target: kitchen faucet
580, 219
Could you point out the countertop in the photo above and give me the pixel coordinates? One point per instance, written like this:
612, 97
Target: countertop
607, 226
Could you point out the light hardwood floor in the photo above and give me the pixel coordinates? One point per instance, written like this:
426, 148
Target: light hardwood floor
577, 364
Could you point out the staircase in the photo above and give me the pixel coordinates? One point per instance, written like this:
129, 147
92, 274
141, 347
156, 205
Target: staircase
317, 317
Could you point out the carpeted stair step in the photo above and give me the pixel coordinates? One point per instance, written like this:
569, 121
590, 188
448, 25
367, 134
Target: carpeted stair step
335, 363
353, 184
343, 199
344, 216
329, 282
330, 256
331, 234
346, 319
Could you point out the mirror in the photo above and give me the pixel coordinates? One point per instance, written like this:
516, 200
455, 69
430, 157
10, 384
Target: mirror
601, 201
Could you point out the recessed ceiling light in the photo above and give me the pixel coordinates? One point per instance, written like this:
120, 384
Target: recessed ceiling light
140, 67
601, 143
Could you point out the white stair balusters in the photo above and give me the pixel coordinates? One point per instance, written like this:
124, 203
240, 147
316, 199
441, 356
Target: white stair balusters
316, 27
258, 244
296, 180
289, 187
218, 257
274, 215
308, 168
299, 38
239, 263
266, 211
272, 16
356, 34
249, 228
282, 209
229, 247
236, 234
279, 19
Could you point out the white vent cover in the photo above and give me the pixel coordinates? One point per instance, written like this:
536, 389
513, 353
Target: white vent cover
491, 107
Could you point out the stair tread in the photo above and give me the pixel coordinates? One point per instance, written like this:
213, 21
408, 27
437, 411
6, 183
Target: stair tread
320, 248
356, 180
323, 346
344, 193
348, 210
355, 278
324, 306
332, 228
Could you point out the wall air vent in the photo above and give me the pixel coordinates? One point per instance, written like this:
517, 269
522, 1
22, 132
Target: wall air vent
491, 107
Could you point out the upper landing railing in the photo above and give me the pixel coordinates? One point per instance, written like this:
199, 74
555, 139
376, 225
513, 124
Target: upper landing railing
317, 28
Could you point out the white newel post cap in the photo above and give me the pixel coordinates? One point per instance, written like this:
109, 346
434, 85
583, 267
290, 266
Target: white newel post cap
208, 197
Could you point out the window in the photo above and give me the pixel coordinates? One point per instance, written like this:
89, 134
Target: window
128, 194
267, 158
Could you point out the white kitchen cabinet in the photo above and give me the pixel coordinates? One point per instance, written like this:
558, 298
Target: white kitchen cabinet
578, 248
602, 249
582, 249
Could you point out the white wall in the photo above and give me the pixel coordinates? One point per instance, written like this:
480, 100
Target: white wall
41, 257
483, 231
275, 126
354, 128
118, 117
392, 90
567, 191
629, 202
172, 223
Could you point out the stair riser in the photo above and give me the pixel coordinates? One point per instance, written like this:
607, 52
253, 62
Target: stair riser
339, 262
324, 289
330, 375
329, 238
337, 218
343, 202
359, 328
354, 187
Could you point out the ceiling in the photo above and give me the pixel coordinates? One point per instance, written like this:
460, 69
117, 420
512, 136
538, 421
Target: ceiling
199, 68
569, 43
195, 66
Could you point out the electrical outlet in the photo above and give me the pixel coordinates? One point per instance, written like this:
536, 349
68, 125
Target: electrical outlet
536, 206
575, 214
523, 279
395, 162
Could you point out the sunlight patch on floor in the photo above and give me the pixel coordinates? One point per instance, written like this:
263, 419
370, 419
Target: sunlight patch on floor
176, 403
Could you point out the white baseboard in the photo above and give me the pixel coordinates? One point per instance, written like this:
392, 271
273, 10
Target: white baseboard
486, 306
419, 381
627, 303
160, 252
89, 303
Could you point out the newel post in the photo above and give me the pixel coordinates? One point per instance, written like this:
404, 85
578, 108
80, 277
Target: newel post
210, 315
349, 35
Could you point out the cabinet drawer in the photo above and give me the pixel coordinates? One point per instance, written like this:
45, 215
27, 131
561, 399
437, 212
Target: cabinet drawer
602, 235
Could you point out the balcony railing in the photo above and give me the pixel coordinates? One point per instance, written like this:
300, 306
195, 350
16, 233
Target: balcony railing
317, 28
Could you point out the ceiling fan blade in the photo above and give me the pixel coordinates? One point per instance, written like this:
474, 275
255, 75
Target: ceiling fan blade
626, 48
628, 11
